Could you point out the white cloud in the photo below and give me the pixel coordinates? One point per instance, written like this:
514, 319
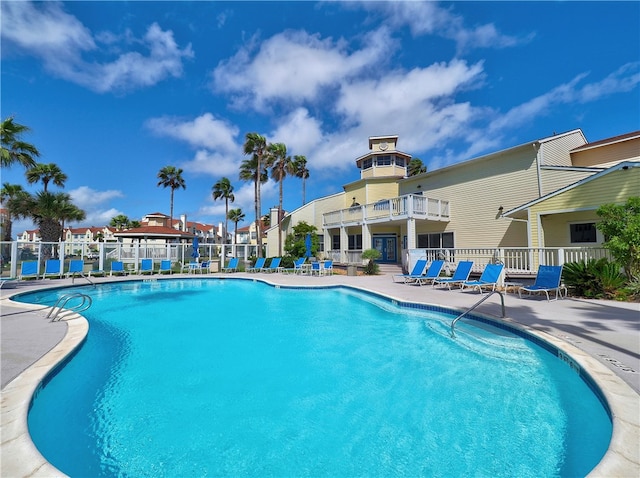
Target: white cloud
205, 131
429, 18
624, 79
217, 152
60, 40
92, 201
295, 66
299, 131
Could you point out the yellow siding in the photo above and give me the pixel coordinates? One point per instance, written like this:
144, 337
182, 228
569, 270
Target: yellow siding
556, 227
615, 187
552, 180
555, 152
377, 191
609, 155
475, 192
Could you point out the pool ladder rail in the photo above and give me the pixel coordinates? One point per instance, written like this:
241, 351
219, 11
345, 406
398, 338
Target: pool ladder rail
56, 312
504, 313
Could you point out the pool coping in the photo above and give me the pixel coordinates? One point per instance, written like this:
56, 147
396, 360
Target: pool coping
621, 459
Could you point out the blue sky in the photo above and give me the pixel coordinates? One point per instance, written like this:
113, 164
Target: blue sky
114, 91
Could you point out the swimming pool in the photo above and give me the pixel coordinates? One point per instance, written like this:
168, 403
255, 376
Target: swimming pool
329, 382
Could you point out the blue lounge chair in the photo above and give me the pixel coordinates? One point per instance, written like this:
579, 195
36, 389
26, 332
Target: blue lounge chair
117, 268
232, 266
417, 271
204, 267
146, 266
297, 266
274, 266
165, 266
328, 267
322, 268
76, 267
52, 267
547, 280
258, 265
459, 276
489, 278
28, 269
433, 272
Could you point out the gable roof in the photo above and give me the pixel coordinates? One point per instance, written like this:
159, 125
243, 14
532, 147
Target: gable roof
608, 141
624, 165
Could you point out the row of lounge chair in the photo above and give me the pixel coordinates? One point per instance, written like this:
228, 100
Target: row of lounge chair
299, 266
548, 278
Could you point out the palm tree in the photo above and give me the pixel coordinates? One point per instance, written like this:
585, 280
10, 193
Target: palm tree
47, 210
13, 150
280, 164
235, 216
68, 212
299, 170
171, 177
224, 189
8, 192
120, 222
416, 167
46, 173
254, 170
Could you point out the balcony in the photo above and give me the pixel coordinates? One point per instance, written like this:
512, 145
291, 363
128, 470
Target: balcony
399, 208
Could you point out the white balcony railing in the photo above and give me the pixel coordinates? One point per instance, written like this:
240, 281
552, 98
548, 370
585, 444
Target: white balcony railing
397, 208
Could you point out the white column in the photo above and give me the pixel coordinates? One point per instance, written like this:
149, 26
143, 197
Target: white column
411, 233
344, 244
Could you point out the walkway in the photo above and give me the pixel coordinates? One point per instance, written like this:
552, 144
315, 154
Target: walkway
608, 331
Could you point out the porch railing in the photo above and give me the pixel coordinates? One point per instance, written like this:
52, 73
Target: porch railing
397, 208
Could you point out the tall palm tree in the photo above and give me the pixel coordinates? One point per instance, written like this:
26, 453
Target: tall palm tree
280, 164
8, 192
171, 177
254, 170
416, 167
47, 210
224, 189
299, 170
13, 150
47, 173
235, 216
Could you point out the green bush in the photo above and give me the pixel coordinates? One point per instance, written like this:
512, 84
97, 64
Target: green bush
594, 279
371, 268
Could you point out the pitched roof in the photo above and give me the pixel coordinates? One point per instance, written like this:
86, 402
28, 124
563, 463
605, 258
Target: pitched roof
624, 165
154, 231
608, 141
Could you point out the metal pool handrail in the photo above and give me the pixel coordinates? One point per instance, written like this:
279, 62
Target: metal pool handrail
62, 302
504, 314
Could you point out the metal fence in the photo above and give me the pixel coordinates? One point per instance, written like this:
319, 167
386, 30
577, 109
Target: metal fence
99, 255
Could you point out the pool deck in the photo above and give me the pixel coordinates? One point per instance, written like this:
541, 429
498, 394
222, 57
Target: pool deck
603, 337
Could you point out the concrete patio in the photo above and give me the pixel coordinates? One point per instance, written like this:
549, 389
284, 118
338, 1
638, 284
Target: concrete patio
606, 332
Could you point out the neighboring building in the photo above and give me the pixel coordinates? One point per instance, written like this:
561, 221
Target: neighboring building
462, 205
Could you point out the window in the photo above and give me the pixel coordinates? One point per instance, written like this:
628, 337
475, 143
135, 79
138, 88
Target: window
367, 163
383, 160
321, 242
355, 242
583, 232
442, 240
335, 242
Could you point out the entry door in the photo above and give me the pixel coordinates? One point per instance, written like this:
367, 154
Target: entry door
388, 246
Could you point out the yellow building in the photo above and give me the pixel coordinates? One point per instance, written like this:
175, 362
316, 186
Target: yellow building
479, 203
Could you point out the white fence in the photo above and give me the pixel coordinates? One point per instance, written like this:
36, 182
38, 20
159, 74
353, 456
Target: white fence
517, 261
98, 255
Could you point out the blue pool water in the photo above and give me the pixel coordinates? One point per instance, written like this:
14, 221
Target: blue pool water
185, 378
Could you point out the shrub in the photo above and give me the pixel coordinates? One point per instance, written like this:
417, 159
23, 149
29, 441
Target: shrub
371, 268
594, 279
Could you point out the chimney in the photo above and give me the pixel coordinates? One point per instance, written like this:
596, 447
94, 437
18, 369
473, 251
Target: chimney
183, 220
273, 216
